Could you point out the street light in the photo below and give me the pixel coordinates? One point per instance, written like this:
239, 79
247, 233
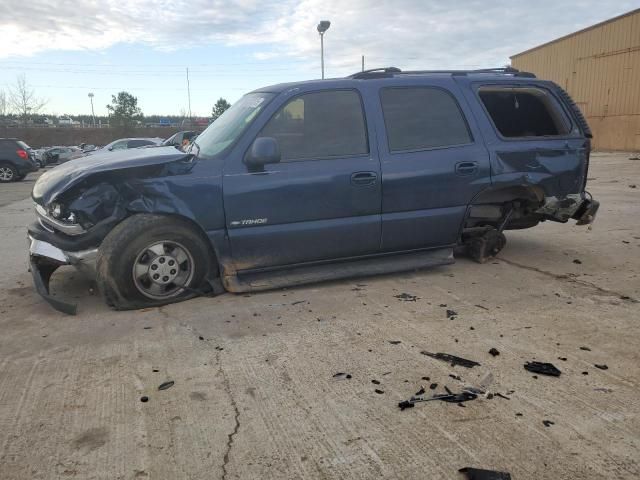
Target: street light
93, 115
323, 26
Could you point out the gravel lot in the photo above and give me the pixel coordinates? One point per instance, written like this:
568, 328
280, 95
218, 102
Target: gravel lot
255, 394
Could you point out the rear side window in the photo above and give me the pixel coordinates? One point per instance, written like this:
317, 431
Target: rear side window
421, 118
139, 143
524, 111
319, 125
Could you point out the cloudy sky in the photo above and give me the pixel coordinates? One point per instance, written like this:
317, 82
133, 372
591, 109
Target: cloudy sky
68, 48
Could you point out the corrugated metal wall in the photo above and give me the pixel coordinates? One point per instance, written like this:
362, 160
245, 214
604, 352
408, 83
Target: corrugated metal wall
600, 68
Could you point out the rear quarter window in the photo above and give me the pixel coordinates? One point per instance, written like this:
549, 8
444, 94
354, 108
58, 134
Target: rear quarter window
520, 112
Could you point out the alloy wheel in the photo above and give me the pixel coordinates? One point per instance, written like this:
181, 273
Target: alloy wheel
6, 174
162, 270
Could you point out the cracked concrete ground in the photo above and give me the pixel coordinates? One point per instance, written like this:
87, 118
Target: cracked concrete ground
254, 393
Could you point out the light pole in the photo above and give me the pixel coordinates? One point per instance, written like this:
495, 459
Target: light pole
93, 115
323, 26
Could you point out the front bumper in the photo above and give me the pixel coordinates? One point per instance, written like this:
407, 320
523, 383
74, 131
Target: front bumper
45, 258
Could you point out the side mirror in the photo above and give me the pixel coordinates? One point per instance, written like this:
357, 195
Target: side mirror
110, 149
264, 150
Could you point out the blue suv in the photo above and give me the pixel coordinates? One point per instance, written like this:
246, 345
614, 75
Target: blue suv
382, 171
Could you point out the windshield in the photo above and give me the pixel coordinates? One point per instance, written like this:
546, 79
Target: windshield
228, 127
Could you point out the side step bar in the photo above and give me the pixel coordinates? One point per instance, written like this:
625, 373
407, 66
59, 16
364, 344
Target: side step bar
267, 280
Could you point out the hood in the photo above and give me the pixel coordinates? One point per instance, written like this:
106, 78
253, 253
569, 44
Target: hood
64, 176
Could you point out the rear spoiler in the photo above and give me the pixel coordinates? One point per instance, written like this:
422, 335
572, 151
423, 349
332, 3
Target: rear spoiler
582, 122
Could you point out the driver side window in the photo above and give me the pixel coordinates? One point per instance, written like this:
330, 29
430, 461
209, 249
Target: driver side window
320, 125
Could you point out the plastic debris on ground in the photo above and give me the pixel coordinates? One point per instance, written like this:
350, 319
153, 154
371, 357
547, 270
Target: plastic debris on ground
451, 359
542, 368
481, 474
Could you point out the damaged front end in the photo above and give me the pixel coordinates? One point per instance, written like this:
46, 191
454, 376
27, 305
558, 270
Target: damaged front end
78, 203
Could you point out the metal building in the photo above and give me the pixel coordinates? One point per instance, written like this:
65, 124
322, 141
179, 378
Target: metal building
600, 68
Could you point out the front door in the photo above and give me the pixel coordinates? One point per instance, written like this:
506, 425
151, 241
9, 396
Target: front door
433, 164
322, 201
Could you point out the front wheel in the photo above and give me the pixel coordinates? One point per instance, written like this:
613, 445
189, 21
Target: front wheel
152, 260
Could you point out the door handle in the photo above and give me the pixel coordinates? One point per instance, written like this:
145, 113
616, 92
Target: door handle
364, 178
466, 168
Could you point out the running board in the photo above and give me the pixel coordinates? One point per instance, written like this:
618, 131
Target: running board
256, 281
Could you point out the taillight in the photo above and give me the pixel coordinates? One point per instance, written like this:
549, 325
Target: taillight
22, 154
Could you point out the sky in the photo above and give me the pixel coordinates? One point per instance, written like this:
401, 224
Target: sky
69, 48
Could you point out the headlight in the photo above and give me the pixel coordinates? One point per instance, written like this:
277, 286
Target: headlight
55, 209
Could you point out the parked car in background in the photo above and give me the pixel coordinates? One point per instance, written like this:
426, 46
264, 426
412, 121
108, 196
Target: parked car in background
179, 139
86, 147
61, 154
382, 171
126, 143
15, 161
38, 155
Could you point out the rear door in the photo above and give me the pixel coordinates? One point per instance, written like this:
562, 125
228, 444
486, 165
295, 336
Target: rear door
322, 201
433, 163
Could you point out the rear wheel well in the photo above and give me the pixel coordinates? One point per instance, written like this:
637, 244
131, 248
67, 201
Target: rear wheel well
506, 208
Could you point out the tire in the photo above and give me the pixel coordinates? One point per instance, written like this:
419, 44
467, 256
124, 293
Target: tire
8, 173
145, 245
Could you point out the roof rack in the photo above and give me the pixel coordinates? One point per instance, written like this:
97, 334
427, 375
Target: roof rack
392, 71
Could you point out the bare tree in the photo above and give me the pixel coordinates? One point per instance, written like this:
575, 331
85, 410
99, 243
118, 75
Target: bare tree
3, 103
23, 100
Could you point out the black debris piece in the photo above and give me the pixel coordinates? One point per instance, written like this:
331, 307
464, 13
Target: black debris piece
406, 404
433, 386
298, 302
458, 397
448, 397
452, 359
489, 396
451, 314
471, 328
378, 391
586, 349
482, 307
155, 370
447, 390
577, 261
494, 352
166, 385
542, 368
564, 359
633, 185
375, 382
518, 414
144, 399
534, 376
342, 375
585, 373
601, 366
406, 297
219, 348
394, 342
426, 379
201, 338
480, 474
443, 305
548, 423
147, 328
419, 392
502, 396
455, 377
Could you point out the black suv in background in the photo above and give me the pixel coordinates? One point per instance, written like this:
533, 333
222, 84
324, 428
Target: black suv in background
15, 160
